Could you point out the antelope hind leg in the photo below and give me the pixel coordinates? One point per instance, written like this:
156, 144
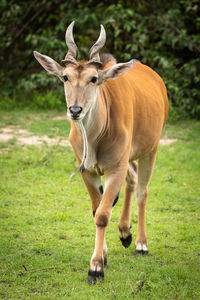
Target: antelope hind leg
124, 223
145, 169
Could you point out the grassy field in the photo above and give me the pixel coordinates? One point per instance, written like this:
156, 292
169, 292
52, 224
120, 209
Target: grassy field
47, 231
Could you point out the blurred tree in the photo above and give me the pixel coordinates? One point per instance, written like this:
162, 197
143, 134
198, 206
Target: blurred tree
162, 34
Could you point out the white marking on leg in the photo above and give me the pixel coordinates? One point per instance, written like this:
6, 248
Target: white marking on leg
98, 268
108, 181
139, 247
145, 247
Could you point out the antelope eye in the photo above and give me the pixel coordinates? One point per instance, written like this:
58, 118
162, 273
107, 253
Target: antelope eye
65, 78
94, 79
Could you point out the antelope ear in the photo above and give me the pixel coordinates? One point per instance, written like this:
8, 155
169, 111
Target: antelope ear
115, 71
49, 64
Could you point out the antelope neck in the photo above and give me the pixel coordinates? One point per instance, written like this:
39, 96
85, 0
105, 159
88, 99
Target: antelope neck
92, 128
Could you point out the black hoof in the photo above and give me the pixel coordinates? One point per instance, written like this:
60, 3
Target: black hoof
105, 261
95, 276
142, 252
127, 241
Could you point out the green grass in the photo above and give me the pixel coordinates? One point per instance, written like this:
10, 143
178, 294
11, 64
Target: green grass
40, 123
47, 231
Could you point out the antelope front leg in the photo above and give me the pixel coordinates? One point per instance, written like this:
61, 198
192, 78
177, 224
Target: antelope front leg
95, 189
113, 183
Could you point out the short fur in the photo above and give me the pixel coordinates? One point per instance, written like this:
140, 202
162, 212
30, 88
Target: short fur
120, 121
132, 111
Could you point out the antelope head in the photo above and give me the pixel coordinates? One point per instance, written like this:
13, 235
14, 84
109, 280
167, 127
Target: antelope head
81, 78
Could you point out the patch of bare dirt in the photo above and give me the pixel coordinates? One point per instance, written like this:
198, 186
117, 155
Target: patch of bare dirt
166, 141
25, 137
60, 117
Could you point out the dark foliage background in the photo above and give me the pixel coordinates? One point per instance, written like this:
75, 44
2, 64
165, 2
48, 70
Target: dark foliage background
162, 34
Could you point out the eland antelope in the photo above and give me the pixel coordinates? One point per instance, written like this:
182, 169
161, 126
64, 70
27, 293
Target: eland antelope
117, 113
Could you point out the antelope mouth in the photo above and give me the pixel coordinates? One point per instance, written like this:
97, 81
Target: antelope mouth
75, 118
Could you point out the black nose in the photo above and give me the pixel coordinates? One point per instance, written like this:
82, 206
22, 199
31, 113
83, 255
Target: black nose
75, 111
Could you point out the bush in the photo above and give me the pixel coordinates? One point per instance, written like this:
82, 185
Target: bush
164, 35
35, 100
